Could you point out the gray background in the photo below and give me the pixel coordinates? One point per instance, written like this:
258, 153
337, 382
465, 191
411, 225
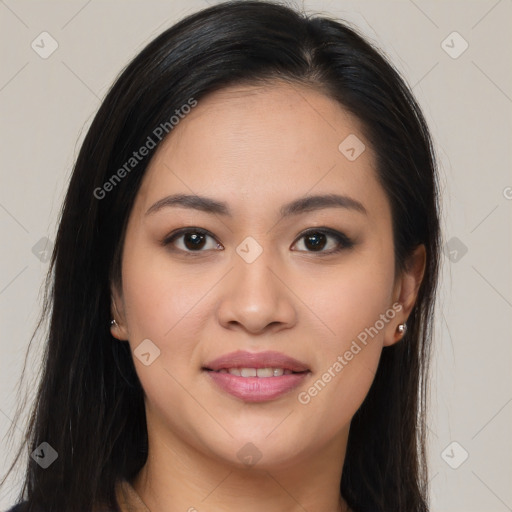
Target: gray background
47, 104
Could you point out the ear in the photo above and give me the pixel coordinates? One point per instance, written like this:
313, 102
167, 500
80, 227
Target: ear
405, 292
119, 329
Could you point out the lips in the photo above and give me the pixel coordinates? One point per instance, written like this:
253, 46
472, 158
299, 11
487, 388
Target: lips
256, 377
244, 359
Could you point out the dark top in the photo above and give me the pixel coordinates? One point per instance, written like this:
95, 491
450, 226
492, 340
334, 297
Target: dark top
17, 508
20, 507
126, 497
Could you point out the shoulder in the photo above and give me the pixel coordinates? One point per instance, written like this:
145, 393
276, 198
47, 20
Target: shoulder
123, 490
20, 507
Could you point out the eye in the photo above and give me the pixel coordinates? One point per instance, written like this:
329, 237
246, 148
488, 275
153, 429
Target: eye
191, 240
315, 240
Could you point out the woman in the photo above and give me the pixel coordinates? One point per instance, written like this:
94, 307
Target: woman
243, 280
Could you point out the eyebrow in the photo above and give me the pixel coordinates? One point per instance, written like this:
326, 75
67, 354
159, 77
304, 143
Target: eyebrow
296, 207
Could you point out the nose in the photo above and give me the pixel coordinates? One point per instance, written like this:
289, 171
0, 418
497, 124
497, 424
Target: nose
256, 297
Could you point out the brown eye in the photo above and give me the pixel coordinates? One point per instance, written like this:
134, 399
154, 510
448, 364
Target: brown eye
191, 240
194, 240
315, 241
318, 239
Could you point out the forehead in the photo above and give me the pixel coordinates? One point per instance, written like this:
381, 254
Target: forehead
264, 144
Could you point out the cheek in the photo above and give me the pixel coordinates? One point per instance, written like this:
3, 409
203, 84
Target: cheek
156, 293
163, 302
352, 297
167, 306
350, 305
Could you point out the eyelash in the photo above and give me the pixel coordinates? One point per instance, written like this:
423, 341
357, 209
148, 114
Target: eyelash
344, 242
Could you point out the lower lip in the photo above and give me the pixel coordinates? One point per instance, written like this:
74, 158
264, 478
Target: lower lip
257, 389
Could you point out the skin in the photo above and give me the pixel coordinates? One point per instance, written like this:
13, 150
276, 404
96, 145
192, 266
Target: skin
256, 148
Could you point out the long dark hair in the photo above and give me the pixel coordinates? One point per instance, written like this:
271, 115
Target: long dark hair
90, 404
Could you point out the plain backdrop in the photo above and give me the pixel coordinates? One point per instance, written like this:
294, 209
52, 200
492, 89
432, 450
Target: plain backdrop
455, 55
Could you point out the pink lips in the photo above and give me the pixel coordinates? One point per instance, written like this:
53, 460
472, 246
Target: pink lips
256, 389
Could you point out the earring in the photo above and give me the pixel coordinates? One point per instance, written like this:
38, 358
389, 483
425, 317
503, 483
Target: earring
113, 322
402, 329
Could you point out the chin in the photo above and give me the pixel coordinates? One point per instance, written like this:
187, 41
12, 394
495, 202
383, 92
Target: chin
258, 453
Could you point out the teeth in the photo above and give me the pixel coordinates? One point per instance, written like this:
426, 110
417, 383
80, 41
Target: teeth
268, 372
256, 372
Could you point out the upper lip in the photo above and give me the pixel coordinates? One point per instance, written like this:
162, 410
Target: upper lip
244, 359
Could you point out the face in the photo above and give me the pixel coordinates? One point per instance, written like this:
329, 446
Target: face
312, 283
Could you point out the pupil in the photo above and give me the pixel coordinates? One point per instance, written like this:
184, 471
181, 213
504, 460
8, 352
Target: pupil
195, 239
316, 240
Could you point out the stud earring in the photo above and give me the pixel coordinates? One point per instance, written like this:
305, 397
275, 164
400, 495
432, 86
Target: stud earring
402, 329
113, 322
